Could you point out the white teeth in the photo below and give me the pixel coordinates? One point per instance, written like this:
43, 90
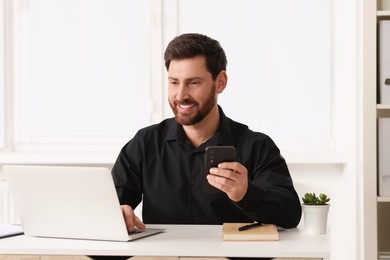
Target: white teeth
186, 106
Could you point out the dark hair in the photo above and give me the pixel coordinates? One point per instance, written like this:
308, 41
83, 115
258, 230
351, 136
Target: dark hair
193, 44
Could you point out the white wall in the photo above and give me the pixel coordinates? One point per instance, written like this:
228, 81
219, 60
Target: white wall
341, 181
88, 82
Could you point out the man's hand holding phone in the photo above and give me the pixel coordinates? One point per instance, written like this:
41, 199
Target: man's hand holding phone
231, 178
223, 173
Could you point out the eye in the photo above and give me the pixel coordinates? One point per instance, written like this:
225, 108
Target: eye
195, 82
173, 82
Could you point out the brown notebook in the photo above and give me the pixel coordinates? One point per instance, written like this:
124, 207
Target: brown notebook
265, 232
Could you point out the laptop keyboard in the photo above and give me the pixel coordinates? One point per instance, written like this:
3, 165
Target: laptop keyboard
135, 231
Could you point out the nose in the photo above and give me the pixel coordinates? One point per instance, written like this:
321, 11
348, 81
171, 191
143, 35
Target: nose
182, 92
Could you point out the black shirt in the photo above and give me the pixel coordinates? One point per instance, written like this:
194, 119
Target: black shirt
162, 168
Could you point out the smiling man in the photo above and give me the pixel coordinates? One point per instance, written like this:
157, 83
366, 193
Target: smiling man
163, 164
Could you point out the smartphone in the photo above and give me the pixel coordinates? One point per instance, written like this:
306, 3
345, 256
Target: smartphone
213, 156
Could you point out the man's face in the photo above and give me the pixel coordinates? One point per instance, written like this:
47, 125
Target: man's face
191, 90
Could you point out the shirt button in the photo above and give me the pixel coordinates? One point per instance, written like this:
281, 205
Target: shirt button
192, 214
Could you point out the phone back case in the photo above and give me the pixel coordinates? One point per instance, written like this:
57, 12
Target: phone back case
213, 156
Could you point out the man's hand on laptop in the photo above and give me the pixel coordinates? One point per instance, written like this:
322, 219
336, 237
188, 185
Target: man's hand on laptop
131, 219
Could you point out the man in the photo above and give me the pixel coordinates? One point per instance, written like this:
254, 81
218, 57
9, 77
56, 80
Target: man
163, 165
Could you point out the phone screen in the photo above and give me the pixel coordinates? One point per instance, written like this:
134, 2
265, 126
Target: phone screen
213, 156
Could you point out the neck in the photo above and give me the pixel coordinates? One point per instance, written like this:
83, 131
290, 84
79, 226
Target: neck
205, 129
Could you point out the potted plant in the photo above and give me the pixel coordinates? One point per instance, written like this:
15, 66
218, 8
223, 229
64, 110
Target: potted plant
315, 211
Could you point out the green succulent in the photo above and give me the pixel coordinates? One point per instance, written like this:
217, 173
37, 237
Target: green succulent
312, 199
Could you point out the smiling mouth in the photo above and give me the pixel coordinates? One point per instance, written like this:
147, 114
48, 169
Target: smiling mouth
186, 106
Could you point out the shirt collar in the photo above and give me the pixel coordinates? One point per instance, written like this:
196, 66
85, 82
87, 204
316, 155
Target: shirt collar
223, 136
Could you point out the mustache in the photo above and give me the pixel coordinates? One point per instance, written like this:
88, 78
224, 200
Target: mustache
185, 102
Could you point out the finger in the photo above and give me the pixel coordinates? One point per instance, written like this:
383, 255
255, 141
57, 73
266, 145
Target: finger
128, 216
220, 182
138, 223
235, 190
224, 173
233, 166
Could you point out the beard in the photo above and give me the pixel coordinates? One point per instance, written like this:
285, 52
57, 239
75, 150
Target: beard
202, 111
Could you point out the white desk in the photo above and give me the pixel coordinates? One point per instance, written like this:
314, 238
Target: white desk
178, 240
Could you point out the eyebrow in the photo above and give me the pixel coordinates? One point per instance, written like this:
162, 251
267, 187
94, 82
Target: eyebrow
186, 80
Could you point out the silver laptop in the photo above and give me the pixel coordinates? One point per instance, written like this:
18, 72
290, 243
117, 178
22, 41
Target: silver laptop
68, 202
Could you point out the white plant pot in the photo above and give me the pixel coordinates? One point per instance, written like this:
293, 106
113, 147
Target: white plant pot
316, 218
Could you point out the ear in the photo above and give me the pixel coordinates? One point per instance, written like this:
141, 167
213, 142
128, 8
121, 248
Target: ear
221, 81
